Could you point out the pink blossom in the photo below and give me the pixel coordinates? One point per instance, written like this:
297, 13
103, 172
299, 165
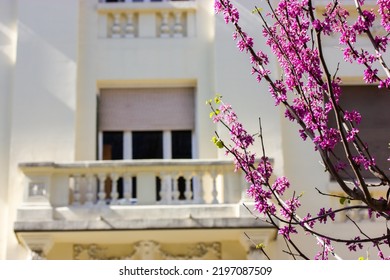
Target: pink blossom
353, 116
351, 134
286, 231
280, 185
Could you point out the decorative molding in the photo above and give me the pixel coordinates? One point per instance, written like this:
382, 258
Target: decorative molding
37, 255
39, 246
89, 252
149, 250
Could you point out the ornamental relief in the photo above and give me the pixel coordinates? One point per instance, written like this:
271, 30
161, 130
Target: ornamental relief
148, 250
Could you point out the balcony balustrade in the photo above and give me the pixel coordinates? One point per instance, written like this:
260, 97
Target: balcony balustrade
147, 19
150, 199
127, 182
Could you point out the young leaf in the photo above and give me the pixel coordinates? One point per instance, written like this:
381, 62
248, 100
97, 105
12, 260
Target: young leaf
219, 144
257, 10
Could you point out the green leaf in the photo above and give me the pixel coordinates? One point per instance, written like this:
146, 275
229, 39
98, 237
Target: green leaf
219, 144
217, 98
361, 259
260, 246
211, 114
342, 200
254, 11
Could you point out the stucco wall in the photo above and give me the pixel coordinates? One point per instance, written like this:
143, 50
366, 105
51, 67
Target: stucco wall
44, 92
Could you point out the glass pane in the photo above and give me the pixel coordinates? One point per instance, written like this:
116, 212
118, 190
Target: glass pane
147, 145
182, 144
182, 149
113, 150
112, 145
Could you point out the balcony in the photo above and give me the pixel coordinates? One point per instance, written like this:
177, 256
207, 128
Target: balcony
129, 190
147, 19
123, 203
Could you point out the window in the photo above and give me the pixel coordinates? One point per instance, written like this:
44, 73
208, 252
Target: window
146, 124
373, 104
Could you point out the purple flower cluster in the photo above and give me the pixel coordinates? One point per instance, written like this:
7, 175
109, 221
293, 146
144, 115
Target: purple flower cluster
353, 245
324, 214
353, 116
286, 231
230, 13
280, 185
326, 249
361, 160
364, 22
384, 11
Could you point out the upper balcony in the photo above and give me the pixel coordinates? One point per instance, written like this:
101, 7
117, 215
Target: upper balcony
147, 19
132, 194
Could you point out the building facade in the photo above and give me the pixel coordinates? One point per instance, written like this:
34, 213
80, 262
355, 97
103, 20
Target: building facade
105, 135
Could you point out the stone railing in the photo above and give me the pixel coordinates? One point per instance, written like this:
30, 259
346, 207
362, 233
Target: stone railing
143, 182
164, 19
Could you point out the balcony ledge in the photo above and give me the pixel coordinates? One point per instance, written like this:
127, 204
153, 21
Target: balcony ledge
140, 224
119, 164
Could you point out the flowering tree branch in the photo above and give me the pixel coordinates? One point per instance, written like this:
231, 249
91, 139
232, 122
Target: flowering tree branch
295, 35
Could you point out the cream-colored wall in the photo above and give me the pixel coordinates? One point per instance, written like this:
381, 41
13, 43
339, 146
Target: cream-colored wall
7, 60
44, 93
238, 87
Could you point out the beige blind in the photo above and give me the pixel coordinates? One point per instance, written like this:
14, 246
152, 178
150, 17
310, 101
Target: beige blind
146, 109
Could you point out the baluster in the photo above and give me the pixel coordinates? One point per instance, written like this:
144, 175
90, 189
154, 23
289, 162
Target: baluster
102, 193
130, 29
114, 189
128, 188
164, 188
198, 189
176, 192
188, 192
214, 192
164, 28
76, 190
116, 26
89, 195
178, 30
168, 188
